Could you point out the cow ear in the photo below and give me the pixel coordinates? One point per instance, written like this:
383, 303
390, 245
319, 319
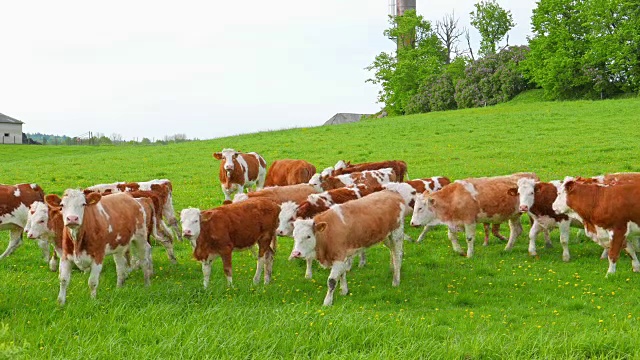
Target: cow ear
431, 201
513, 191
52, 201
569, 186
217, 155
93, 198
206, 216
320, 227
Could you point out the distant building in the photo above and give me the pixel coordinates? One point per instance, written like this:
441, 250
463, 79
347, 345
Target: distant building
343, 118
10, 130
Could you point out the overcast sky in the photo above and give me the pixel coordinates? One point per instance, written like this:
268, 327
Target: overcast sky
203, 68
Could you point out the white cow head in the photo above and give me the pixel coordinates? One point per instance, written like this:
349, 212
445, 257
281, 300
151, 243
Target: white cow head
72, 205
423, 210
190, 220
526, 191
407, 192
37, 220
304, 238
326, 172
341, 164
316, 181
228, 155
560, 204
287, 217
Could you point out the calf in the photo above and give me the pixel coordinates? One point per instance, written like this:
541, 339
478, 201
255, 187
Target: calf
464, 203
239, 170
370, 178
289, 172
315, 204
238, 226
15, 201
95, 226
280, 194
614, 208
398, 166
45, 223
334, 236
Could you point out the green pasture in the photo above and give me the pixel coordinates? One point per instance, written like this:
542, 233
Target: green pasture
495, 305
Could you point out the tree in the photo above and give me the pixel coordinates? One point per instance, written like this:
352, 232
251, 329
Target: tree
493, 23
116, 138
400, 76
145, 141
449, 33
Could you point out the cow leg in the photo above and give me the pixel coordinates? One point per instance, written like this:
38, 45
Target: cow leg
121, 268
44, 247
423, 233
533, 235
452, 233
495, 230
14, 242
227, 192
515, 229
344, 288
363, 258
206, 272
396, 246
65, 278
53, 262
94, 278
268, 267
259, 266
605, 254
635, 264
547, 238
617, 240
226, 265
565, 232
337, 269
309, 273
163, 234
485, 226
470, 234
143, 249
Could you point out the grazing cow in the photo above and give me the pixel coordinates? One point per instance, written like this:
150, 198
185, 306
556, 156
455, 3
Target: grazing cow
162, 187
15, 201
315, 204
289, 172
370, 178
238, 226
398, 166
240, 170
45, 223
95, 226
334, 236
280, 194
464, 203
611, 207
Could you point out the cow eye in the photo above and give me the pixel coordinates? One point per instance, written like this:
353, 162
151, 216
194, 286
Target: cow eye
41, 222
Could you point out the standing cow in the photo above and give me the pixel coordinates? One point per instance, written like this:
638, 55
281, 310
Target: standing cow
289, 172
240, 170
334, 236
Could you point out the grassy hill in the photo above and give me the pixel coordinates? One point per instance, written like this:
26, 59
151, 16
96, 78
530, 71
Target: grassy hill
495, 305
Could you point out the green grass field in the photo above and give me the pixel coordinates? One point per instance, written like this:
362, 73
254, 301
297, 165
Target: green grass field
495, 305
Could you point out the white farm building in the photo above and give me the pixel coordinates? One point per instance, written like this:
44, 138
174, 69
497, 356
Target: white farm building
10, 130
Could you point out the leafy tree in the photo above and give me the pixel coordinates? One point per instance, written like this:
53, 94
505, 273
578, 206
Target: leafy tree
493, 23
421, 56
145, 141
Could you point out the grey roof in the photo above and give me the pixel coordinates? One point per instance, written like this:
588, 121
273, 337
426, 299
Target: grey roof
8, 119
343, 118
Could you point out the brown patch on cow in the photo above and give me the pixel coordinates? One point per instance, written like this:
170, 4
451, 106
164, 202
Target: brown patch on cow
9, 202
544, 196
398, 166
367, 178
289, 172
281, 194
337, 196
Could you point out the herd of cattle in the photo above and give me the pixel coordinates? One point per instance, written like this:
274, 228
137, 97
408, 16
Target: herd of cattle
332, 216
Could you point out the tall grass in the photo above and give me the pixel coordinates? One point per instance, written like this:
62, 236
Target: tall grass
495, 305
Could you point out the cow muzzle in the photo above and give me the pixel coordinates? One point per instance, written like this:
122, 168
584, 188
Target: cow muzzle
30, 235
295, 254
414, 224
72, 221
187, 233
524, 208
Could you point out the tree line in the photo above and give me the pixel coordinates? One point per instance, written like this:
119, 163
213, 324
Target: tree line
92, 138
580, 49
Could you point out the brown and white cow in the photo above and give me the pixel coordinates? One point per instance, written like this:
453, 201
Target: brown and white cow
315, 204
162, 187
289, 172
240, 170
370, 178
398, 166
238, 226
334, 236
96, 226
612, 207
45, 224
464, 203
15, 201
280, 194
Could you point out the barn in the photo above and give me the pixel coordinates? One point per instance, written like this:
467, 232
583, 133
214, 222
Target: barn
10, 130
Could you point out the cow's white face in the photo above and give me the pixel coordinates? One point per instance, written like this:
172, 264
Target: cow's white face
73, 205
560, 204
190, 222
326, 172
304, 239
287, 217
526, 193
315, 181
341, 164
423, 212
229, 155
37, 220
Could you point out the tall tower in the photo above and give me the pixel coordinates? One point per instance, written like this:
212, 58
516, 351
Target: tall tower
397, 8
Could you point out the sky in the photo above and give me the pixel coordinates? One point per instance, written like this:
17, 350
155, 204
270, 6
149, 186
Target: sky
205, 69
